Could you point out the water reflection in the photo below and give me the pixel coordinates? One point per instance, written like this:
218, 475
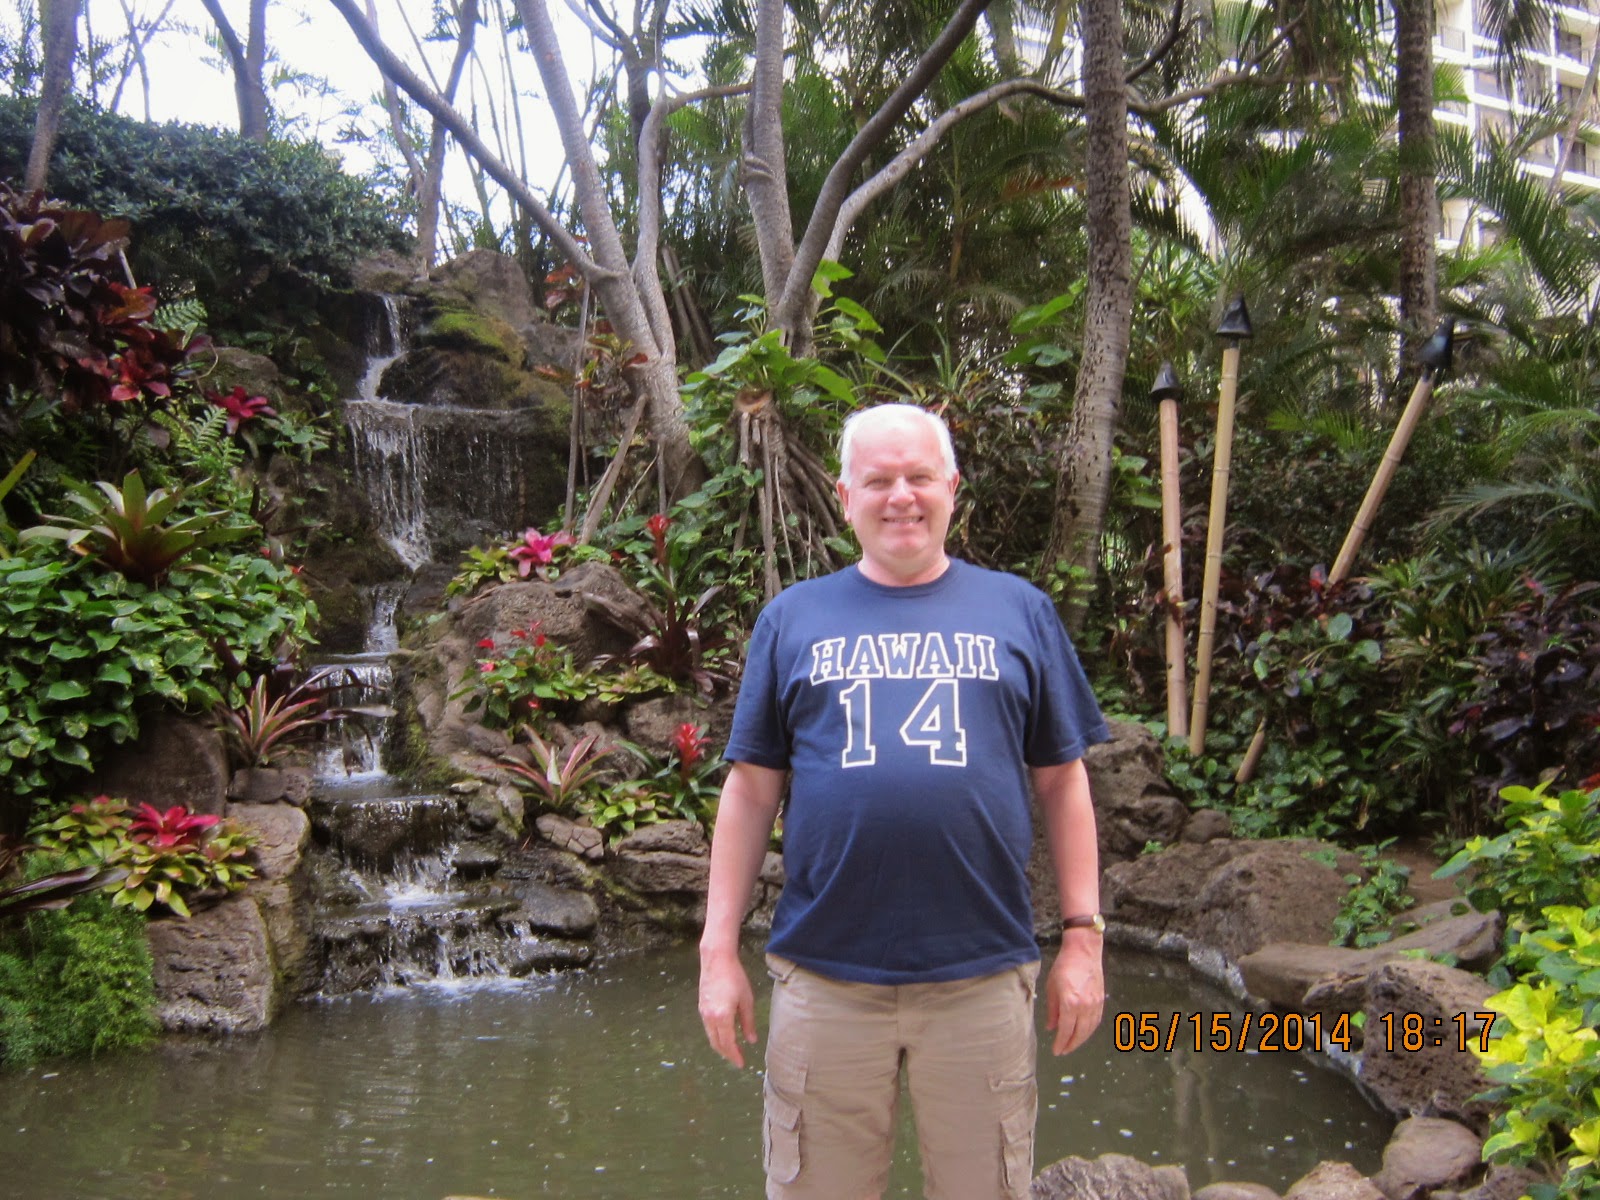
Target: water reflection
597, 1085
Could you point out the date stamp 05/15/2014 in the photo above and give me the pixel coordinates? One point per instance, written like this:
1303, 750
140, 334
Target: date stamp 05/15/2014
1270, 1032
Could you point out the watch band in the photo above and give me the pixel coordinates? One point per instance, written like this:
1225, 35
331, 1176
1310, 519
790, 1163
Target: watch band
1092, 921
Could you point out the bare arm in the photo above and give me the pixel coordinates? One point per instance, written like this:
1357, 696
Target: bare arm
745, 814
1075, 993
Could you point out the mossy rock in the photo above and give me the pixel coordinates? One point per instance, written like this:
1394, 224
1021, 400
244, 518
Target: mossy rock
454, 329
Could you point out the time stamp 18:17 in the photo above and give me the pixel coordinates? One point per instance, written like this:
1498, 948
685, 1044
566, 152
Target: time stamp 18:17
1271, 1032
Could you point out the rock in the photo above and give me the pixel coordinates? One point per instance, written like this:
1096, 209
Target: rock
682, 837
1434, 1080
284, 833
1333, 1181
555, 910
1235, 1191
1228, 1190
475, 860
1232, 896
270, 785
1207, 825
547, 954
1471, 939
1425, 1153
1505, 1183
214, 971
1109, 1177
663, 871
174, 760
491, 743
386, 271
572, 837
1132, 801
653, 723
487, 282
1281, 973
259, 376
376, 833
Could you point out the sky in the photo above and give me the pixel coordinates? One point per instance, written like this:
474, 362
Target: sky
190, 82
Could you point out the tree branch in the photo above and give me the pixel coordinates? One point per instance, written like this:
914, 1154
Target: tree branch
794, 306
918, 148
1174, 29
469, 140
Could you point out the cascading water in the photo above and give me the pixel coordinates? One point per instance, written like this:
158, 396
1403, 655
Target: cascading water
411, 885
440, 473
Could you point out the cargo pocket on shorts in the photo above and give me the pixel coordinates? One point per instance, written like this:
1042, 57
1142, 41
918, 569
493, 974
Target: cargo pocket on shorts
780, 1132
1016, 1137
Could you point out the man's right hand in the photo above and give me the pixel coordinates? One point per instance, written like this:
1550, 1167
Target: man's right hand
727, 1004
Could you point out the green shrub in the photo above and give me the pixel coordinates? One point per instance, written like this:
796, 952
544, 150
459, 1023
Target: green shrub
75, 981
1546, 856
84, 651
1373, 901
1543, 1055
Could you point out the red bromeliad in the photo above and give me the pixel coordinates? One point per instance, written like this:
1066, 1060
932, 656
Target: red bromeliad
658, 526
690, 743
170, 828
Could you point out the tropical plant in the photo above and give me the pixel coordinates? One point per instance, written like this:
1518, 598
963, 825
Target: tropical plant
562, 783
527, 678
1543, 858
1543, 1055
1378, 893
674, 640
122, 527
481, 567
41, 893
166, 856
83, 651
270, 720
682, 784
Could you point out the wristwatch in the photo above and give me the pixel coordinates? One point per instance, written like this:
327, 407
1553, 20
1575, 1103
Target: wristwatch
1092, 921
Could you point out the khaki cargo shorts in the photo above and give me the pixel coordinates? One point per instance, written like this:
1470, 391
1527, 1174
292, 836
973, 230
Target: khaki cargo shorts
835, 1053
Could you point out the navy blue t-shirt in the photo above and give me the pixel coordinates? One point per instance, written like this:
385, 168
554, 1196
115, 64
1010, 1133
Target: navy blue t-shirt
908, 717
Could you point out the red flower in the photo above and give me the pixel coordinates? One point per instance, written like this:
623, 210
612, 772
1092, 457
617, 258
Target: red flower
487, 665
538, 549
519, 633
690, 744
174, 827
241, 408
485, 643
539, 639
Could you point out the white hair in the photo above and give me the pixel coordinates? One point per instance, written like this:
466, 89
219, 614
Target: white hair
881, 413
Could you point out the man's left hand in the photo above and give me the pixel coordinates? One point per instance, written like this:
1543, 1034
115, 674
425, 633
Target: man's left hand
1075, 993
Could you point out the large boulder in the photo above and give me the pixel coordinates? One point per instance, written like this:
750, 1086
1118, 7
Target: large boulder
1133, 804
1435, 1076
214, 971
279, 889
1232, 896
174, 760
1109, 1177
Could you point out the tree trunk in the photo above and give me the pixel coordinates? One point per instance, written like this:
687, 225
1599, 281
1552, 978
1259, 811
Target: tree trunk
1419, 217
430, 186
249, 61
1084, 483
58, 29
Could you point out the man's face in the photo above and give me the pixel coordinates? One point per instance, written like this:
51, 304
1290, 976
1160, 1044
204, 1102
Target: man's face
899, 500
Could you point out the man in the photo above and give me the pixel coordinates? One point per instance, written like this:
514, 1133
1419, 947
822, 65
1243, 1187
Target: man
910, 701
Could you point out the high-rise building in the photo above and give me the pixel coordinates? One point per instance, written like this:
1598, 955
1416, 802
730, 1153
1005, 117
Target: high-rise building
1556, 73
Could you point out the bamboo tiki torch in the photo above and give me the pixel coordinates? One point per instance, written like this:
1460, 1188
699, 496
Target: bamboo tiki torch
1435, 357
1234, 327
1168, 391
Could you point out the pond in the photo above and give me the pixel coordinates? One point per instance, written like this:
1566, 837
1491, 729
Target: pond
598, 1084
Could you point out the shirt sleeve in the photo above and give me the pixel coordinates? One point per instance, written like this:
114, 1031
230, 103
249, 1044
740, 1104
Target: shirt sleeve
760, 735
1065, 719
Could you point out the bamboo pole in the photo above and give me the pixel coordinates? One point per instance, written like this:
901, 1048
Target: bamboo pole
1168, 391
1435, 357
1235, 326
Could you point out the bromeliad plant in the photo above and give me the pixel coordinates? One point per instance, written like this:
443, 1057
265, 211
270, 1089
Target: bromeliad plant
160, 856
683, 784
270, 721
53, 890
562, 783
124, 527
674, 637
525, 678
